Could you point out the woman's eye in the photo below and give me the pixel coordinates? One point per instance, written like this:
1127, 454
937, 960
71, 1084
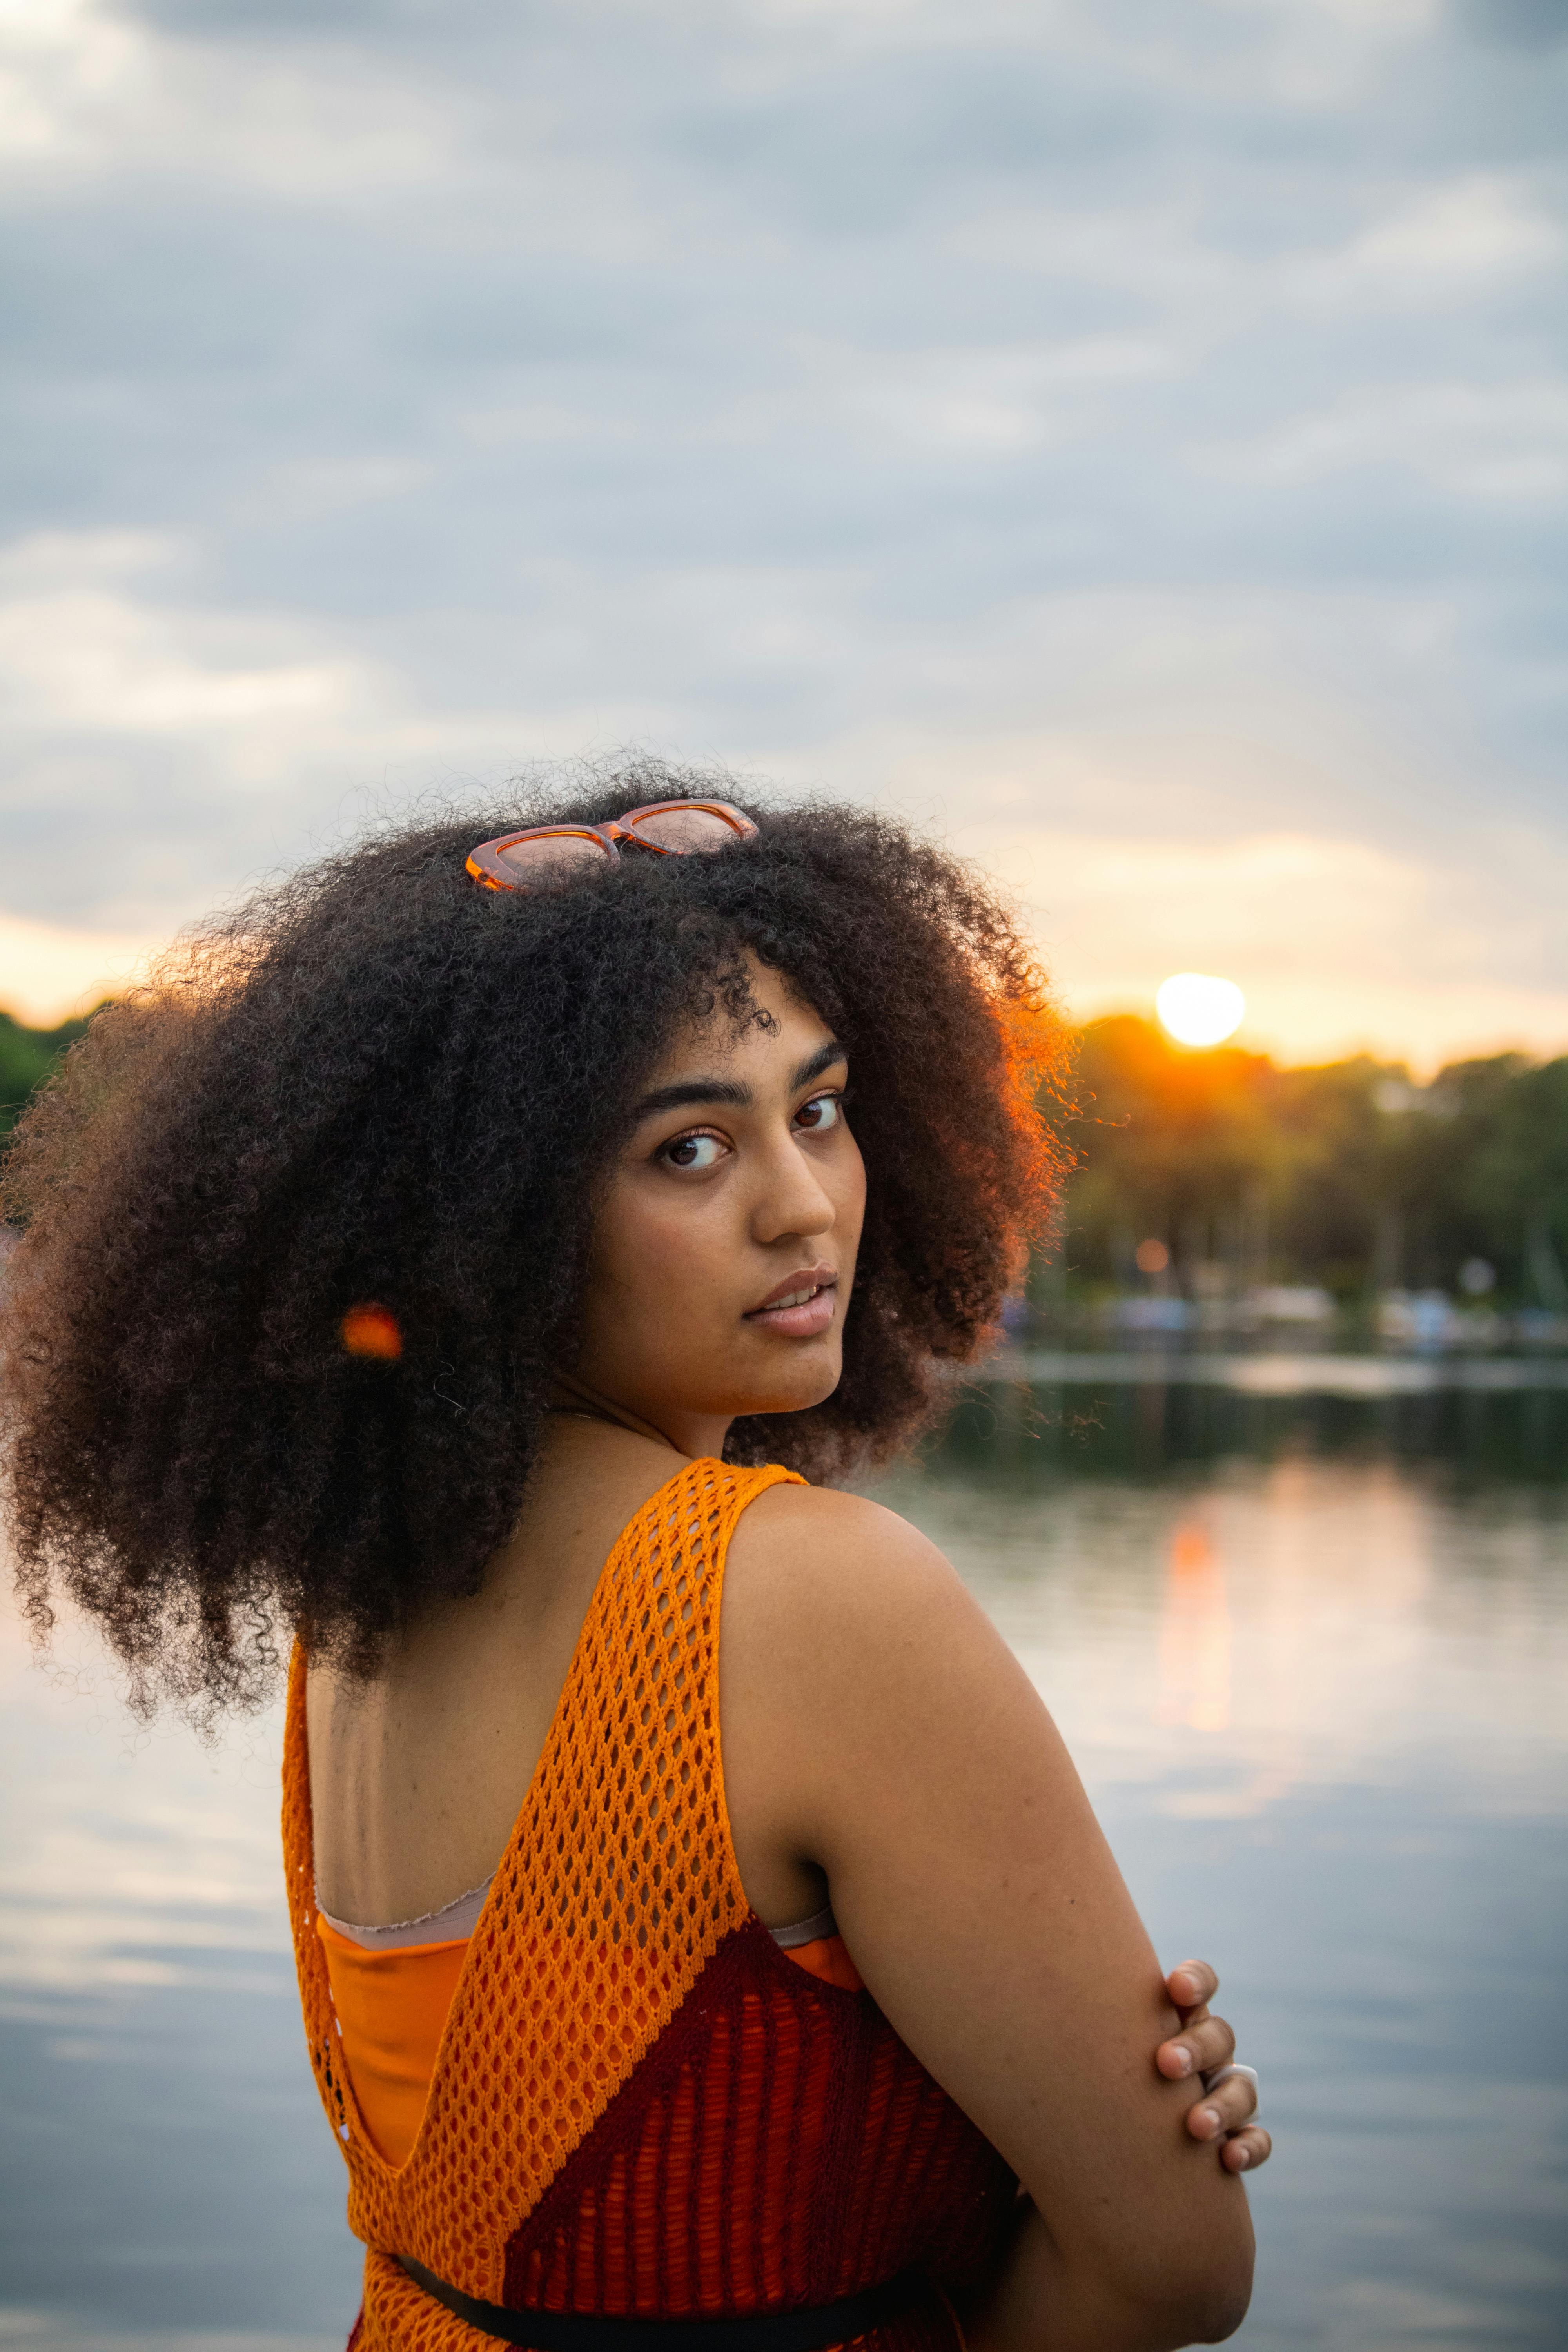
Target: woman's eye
820, 1113
694, 1152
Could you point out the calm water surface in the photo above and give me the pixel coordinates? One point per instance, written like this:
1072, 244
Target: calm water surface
1311, 1655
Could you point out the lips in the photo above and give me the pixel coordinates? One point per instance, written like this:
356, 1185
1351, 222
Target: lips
801, 1305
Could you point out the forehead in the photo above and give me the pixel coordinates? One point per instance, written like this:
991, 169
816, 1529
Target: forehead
793, 1029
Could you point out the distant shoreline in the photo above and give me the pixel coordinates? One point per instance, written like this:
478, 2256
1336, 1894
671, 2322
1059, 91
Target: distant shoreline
1267, 1374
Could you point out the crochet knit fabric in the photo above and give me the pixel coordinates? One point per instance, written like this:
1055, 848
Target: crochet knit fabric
640, 2106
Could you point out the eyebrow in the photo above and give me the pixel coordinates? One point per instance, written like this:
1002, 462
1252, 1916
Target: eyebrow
688, 1091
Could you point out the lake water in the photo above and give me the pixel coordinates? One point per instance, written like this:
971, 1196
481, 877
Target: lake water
1311, 1651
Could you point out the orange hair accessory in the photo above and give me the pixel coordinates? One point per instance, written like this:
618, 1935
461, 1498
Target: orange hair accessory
369, 1330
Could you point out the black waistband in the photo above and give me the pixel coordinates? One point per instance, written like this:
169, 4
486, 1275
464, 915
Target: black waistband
764, 2331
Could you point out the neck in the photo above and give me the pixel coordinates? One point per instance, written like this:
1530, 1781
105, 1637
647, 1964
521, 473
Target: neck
693, 1435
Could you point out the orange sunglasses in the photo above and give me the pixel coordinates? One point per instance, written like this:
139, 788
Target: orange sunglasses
546, 853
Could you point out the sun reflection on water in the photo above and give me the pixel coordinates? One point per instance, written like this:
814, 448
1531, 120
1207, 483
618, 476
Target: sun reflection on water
1195, 1633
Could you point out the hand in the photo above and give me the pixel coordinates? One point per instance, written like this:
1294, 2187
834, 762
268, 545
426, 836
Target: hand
1204, 2045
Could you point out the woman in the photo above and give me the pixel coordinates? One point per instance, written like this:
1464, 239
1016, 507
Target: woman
465, 1264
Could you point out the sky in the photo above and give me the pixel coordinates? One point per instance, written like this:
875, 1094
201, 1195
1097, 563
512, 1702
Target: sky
1129, 441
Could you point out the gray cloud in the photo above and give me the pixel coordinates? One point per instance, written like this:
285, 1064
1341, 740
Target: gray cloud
1527, 24
295, 20
771, 383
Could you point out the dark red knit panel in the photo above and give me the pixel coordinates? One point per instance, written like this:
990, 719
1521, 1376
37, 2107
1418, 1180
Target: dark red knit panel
778, 2146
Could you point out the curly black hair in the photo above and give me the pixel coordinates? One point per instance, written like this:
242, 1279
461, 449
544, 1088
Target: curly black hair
378, 1082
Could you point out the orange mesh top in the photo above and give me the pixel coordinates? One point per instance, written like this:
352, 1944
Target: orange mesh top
391, 2007
638, 2104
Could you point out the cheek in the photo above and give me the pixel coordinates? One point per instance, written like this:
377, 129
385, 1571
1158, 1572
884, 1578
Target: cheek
849, 1194
649, 1250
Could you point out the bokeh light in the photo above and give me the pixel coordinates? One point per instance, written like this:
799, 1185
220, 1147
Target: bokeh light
373, 1330
1196, 1009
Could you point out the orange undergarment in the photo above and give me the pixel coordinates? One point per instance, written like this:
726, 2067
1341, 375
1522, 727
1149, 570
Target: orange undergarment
392, 2011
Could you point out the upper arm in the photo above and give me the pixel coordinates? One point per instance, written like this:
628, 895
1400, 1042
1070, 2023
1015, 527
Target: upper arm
876, 1722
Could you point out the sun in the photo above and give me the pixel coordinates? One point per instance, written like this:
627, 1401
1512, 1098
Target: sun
1199, 1010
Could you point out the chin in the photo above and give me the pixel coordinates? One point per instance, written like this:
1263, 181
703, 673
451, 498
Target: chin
794, 1388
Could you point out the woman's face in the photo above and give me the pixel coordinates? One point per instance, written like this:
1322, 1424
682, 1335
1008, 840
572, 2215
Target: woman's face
724, 1243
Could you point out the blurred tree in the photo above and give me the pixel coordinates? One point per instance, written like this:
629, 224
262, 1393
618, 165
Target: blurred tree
1338, 1220
1508, 1179
1173, 1146
1346, 1174
26, 1057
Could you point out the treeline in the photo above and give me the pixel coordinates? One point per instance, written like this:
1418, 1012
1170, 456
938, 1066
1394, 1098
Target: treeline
26, 1057
1243, 1173
1348, 1175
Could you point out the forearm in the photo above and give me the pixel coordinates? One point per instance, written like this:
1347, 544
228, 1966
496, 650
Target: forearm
1039, 2300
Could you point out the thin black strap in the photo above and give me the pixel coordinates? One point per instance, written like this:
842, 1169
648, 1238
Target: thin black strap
765, 2331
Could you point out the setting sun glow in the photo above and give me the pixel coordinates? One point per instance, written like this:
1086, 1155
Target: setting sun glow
1199, 1010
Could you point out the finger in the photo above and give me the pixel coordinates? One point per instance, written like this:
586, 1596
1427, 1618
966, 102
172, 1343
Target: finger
1244, 2151
1226, 2109
1201, 2046
1190, 1983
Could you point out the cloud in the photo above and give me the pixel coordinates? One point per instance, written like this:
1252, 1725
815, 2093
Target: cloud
165, 755
1444, 246
1147, 424
1500, 442
86, 91
1482, 223
1522, 23
50, 973
76, 654
998, 400
1336, 945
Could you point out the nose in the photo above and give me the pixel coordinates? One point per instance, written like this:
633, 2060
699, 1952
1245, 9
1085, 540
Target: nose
791, 1199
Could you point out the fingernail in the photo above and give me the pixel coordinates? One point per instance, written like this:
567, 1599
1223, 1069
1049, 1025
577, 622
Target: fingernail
1184, 2057
1209, 2118
1243, 2159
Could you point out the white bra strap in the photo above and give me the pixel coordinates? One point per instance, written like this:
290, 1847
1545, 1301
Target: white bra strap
452, 1923
804, 1931
457, 1920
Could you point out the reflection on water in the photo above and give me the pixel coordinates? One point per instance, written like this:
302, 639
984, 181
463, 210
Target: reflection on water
1309, 1652
1194, 1633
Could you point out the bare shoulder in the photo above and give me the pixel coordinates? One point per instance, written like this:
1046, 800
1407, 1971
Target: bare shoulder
850, 1651
840, 1612
822, 1544
842, 1568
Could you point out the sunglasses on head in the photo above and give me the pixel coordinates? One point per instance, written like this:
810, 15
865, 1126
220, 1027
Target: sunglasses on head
548, 852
